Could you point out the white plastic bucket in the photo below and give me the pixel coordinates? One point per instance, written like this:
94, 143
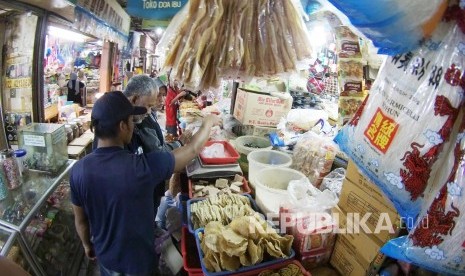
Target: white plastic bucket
271, 187
240, 143
261, 159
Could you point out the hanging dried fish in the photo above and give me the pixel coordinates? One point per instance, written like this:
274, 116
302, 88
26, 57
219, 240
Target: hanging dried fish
224, 38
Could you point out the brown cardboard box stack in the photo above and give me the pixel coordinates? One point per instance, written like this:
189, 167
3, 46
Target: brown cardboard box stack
357, 253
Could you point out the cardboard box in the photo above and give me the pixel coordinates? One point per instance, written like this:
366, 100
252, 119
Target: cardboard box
345, 261
356, 176
360, 202
260, 109
263, 131
366, 245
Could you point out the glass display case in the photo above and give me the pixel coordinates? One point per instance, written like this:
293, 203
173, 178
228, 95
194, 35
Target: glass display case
39, 215
12, 248
45, 145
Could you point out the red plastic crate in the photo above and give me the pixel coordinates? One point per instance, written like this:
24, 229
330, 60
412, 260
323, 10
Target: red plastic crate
231, 154
190, 258
245, 188
276, 267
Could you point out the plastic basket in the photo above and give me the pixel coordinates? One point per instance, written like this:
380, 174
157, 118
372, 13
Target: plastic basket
245, 189
231, 154
190, 261
242, 270
189, 215
277, 267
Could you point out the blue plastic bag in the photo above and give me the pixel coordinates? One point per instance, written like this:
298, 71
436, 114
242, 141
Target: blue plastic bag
394, 26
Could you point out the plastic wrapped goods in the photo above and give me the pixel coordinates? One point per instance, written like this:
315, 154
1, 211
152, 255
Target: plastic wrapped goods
437, 242
308, 217
216, 150
398, 135
333, 181
211, 39
314, 156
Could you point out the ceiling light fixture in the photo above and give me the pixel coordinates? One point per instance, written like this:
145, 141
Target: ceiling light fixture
66, 34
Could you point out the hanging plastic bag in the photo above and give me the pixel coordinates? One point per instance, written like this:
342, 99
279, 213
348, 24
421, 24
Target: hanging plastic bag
399, 133
308, 217
437, 242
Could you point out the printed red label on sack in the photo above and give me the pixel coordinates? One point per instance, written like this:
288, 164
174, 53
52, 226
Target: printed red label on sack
381, 131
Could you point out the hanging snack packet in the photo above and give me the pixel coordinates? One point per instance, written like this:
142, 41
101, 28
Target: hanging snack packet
348, 45
397, 136
437, 242
351, 77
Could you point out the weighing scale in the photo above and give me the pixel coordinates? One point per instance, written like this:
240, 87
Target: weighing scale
196, 169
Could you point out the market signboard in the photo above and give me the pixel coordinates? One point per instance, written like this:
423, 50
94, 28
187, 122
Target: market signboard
110, 12
154, 9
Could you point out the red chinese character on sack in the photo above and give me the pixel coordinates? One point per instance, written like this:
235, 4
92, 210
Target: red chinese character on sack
382, 141
381, 131
374, 126
454, 76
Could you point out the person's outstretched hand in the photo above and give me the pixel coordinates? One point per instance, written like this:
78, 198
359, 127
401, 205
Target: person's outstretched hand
214, 120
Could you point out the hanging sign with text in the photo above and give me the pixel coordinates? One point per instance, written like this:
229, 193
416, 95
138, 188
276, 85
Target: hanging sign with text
154, 9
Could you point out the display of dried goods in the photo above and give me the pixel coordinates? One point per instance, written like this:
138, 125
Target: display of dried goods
204, 188
246, 241
222, 208
211, 39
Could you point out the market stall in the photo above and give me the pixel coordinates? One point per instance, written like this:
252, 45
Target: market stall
340, 150
69, 52
40, 48
309, 144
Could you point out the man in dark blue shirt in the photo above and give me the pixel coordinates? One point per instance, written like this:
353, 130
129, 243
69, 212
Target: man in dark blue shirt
112, 189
